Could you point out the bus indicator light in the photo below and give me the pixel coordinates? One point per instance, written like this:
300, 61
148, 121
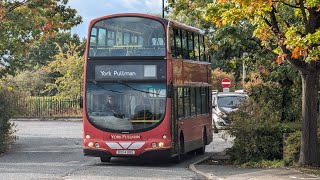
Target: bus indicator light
87, 136
154, 145
164, 136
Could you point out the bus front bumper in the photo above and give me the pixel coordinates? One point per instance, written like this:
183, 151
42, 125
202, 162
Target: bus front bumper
158, 153
96, 153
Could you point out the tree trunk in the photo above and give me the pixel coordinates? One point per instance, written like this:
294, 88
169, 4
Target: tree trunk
286, 83
309, 152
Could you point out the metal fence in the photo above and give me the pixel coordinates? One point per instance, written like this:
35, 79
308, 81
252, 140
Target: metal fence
47, 107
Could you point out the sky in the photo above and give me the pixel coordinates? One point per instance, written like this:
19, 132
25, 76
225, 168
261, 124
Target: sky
90, 9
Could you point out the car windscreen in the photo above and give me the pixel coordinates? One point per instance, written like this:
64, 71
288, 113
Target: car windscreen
231, 101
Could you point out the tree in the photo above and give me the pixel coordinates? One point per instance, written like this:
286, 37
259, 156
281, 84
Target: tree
24, 21
291, 29
69, 64
217, 75
24, 84
42, 52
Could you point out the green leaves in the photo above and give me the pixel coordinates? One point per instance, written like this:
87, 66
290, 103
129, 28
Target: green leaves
69, 64
23, 22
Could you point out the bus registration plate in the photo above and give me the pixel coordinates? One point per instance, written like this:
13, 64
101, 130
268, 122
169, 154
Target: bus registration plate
125, 152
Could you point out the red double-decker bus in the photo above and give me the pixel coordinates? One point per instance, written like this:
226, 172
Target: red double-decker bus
147, 89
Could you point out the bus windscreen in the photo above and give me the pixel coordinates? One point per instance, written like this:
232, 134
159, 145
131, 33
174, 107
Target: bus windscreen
125, 106
127, 36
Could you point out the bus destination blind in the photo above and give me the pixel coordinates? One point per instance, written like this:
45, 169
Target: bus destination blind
124, 72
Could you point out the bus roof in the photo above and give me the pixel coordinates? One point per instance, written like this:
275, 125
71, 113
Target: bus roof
163, 20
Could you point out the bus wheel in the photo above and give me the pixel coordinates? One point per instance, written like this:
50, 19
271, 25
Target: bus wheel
105, 159
202, 150
178, 158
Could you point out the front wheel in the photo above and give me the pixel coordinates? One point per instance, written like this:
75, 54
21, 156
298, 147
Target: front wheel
105, 159
179, 157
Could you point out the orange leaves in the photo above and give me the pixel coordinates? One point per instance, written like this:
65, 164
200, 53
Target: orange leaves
47, 27
280, 58
217, 21
295, 53
223, 1
298, 51
2, 13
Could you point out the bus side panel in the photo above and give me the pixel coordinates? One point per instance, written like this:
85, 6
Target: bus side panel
178, 75
193, 129
195, 73
188, 74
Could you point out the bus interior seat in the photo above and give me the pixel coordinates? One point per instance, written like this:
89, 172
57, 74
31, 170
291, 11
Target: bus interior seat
139, 111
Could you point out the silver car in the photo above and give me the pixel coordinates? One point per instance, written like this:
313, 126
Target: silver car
223, 103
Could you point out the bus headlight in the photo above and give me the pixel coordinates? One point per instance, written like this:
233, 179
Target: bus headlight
87, 136
90, 144
161, 144
164, 137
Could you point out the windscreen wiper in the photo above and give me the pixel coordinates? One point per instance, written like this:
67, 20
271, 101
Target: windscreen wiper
125, 84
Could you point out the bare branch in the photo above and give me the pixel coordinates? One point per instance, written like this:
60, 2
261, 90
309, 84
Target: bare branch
303, 11
267, 22
287, 4
273, 21
299, 65
10, 9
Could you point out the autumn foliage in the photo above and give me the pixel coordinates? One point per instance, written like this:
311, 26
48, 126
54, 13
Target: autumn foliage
289, 29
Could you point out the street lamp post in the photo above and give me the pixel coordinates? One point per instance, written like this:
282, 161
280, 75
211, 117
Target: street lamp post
162, 8
244, 74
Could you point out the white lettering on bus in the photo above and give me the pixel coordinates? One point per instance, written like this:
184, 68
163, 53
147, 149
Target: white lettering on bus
124, 73
103, 73
125, 136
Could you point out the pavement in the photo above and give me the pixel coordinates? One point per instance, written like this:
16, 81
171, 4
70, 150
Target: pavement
217, 148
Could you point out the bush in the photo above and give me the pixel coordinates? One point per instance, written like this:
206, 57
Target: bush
292, 147
7, 128
258, 133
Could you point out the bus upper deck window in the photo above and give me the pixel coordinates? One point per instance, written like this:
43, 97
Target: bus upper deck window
128, 36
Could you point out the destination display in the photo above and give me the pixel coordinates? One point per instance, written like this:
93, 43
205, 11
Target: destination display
121, 72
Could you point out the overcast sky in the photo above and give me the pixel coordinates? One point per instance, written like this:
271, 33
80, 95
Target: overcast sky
90, 9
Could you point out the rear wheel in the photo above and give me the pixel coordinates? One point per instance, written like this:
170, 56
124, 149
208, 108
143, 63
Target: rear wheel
202, 150
105, 159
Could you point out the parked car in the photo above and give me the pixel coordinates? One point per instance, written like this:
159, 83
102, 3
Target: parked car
223, 103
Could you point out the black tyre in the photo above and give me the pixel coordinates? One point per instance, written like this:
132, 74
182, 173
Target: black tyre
105, 159
202, 150
179, 157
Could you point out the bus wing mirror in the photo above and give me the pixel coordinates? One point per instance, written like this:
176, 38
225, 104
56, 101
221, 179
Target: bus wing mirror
81, 102
170, 90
